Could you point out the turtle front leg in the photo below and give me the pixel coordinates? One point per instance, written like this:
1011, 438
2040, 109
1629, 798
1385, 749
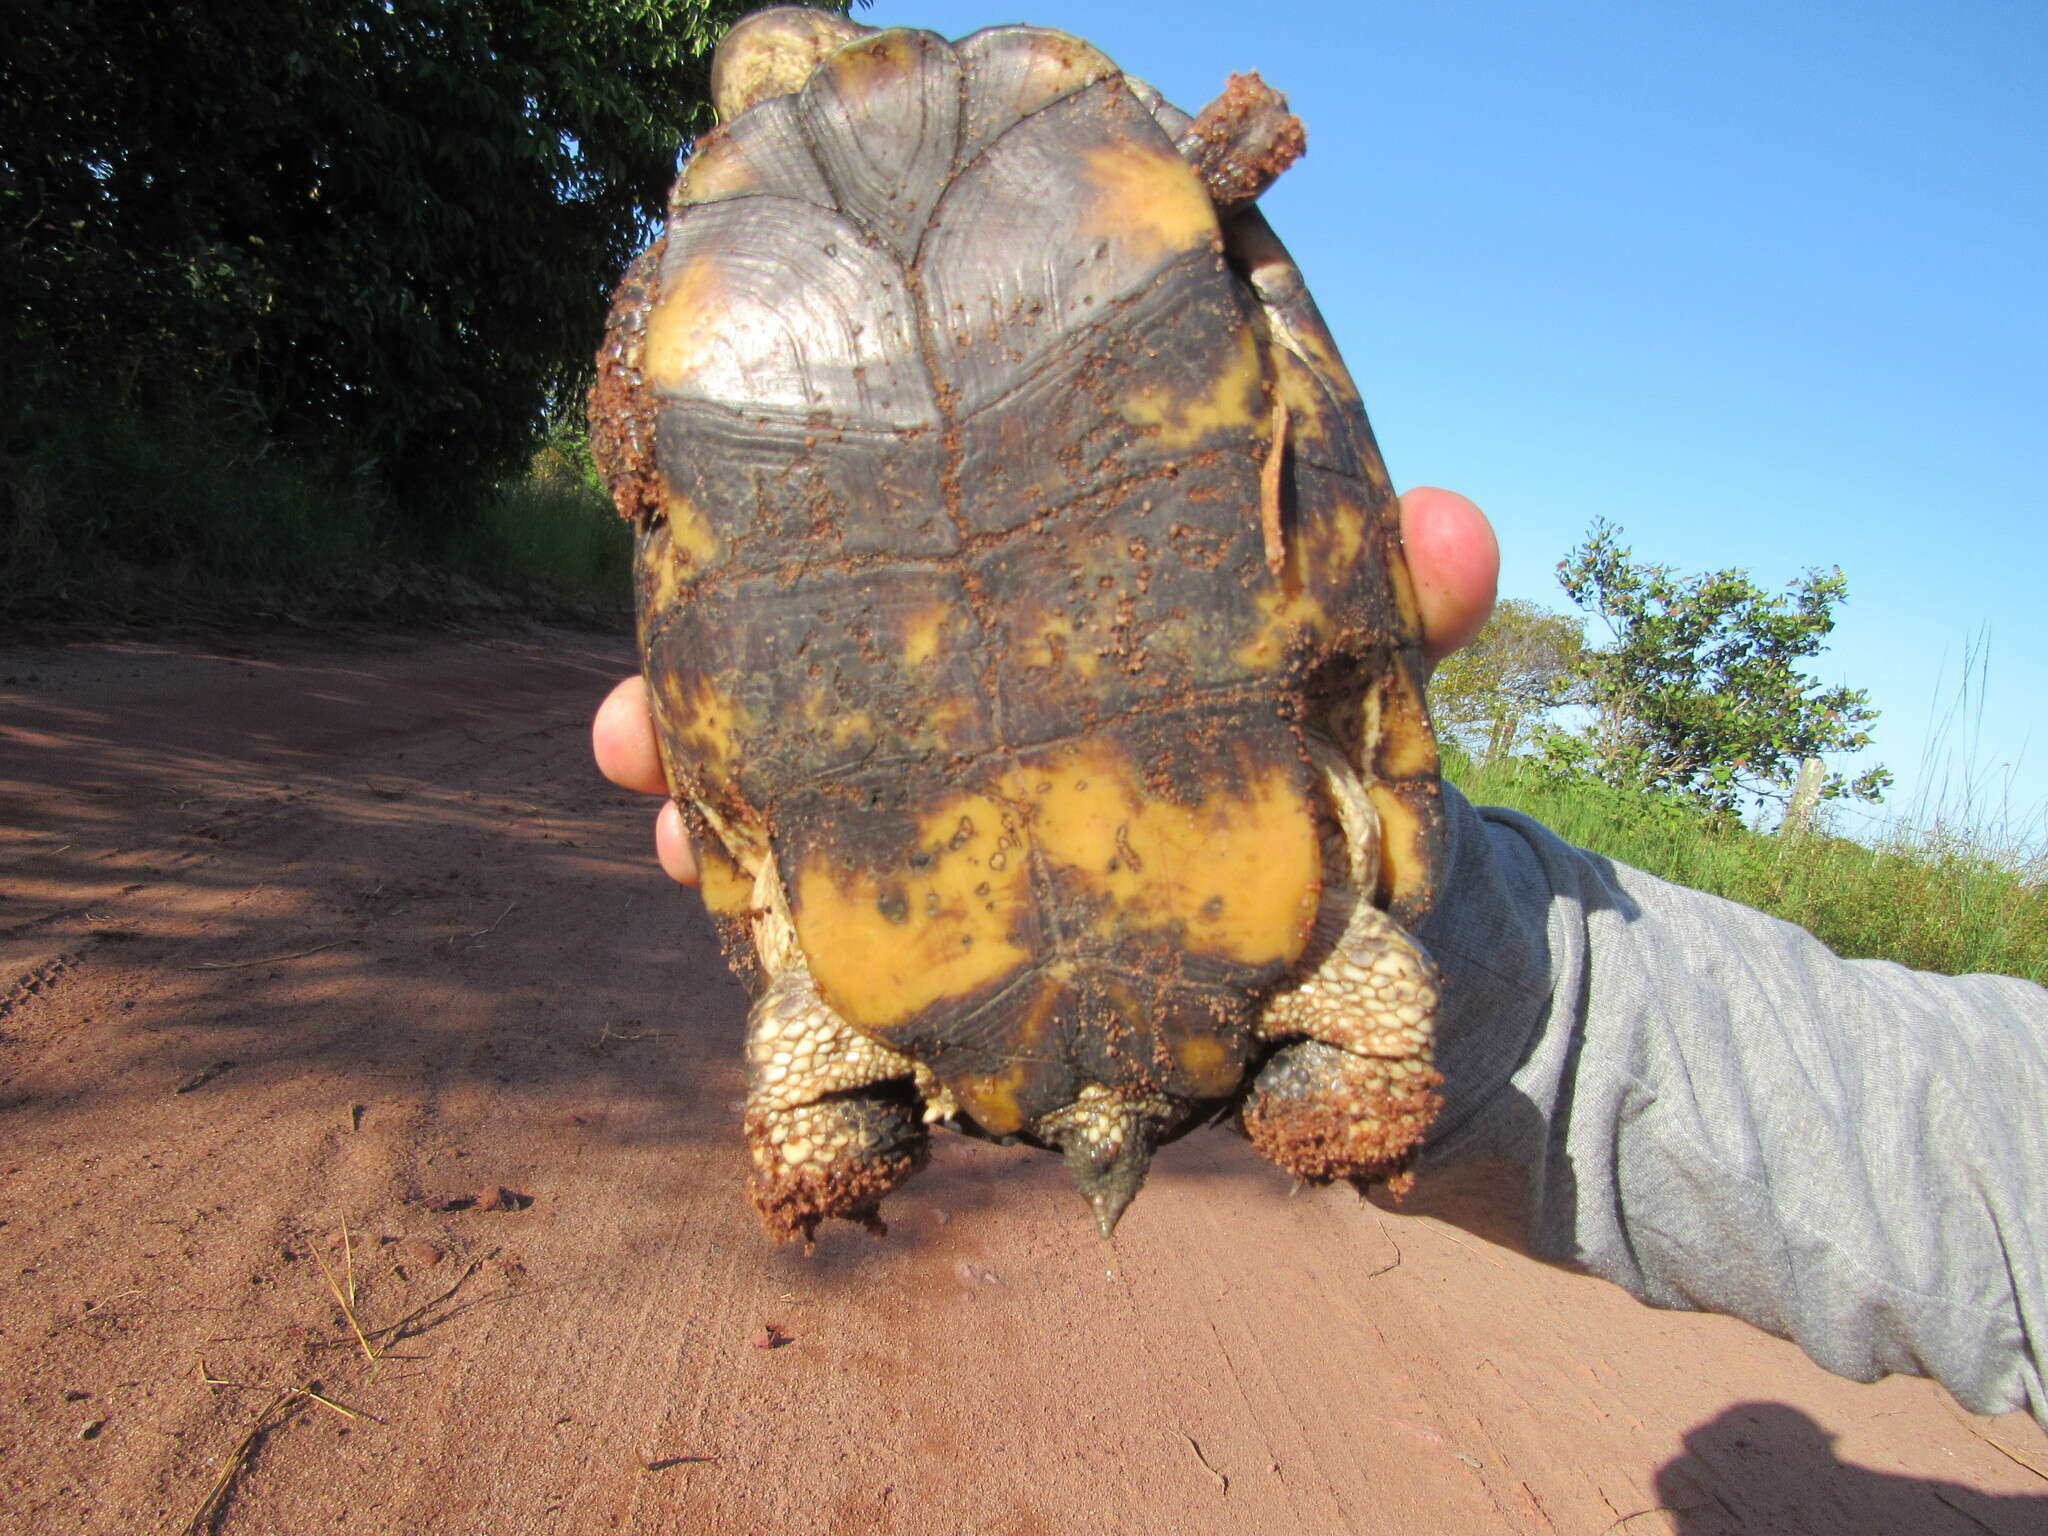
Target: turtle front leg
834, 1120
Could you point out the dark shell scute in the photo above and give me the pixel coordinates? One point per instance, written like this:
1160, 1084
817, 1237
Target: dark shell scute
1058, 431
760, 153
765, 489
1006, 284
812, 321
844, 678
883, 118
1013, 72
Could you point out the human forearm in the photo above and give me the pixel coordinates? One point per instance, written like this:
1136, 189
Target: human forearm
1715, 1112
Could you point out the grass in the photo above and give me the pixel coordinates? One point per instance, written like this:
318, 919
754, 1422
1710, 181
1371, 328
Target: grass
188, 512
554, 531
1944, 898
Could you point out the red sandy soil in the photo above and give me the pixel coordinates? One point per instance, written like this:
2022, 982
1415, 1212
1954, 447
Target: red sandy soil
306, 938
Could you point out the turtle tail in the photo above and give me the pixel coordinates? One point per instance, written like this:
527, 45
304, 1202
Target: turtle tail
1108, 1138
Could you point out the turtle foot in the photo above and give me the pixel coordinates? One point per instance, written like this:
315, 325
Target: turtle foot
834, 1120
836, 1158
1323, 1113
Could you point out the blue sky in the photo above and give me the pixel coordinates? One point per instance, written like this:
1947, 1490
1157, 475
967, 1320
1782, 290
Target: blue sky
1766, 285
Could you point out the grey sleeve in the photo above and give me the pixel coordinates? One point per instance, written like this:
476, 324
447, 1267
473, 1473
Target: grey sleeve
1716, 1112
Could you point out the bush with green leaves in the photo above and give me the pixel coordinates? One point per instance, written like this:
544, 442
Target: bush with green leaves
1523, 664
1699, 689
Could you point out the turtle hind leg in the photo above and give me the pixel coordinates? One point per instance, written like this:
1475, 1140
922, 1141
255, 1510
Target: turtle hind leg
1352, 1095
834, 1120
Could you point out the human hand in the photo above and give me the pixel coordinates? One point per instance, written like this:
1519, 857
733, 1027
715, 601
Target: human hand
1452, 556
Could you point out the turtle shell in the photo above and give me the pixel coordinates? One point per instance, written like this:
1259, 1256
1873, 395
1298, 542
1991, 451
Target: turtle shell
1005, 520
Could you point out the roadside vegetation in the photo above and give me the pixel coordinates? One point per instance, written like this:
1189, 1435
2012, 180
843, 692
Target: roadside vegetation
296, 299
1680, 741
192, 513
1945, 899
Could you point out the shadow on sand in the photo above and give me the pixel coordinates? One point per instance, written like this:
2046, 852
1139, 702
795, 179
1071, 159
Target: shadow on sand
1767, 1467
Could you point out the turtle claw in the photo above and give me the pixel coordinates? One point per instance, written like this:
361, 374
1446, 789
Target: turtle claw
1108, 1141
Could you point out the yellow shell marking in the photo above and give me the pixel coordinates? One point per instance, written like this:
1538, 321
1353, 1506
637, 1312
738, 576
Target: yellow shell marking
1307, 405
859, 70
1052, 647
1147, 200
991, 1097
728, 890
1318, 557
922, 635
1235, 875
691, 541
703, 719
1058, 66
1211, 1073
703, 729
717, 169
884, 948
658, 564
1403, 864
1235, 400
1404, 596
683, 327
1406, 749
1407, 753
1285, 608
852, 725
1339, 536
944, 723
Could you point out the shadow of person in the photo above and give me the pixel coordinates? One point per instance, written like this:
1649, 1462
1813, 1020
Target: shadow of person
1760, 1467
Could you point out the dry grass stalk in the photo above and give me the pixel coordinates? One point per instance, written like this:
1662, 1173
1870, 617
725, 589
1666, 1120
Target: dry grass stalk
344, 1290
278, 1412
2004, 1450
241, 965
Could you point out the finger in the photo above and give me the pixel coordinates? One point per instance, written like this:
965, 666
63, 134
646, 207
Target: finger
622, 738
672, 845
1455, 560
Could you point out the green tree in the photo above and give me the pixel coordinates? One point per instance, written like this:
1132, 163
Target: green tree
1700, 690
387, 227
1523, 664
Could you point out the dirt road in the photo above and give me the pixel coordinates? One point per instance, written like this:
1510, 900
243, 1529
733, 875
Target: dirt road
301, 942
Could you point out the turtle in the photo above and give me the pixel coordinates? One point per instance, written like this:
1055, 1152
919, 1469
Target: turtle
1022, 601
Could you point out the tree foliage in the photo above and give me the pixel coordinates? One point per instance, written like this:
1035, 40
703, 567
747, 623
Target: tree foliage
1522, 665
386, 226
1700, 689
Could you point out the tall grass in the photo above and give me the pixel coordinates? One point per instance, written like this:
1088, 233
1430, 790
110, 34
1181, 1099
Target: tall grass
187, 511
552, 531
1945, 899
